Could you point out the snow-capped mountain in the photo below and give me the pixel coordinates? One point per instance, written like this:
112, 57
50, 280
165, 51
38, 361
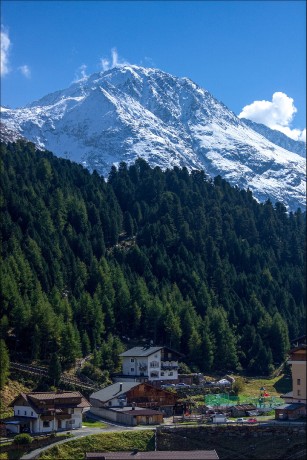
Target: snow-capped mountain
8, 135
278, 137
129, 112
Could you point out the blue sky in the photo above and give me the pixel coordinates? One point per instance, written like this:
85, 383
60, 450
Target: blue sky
249, 54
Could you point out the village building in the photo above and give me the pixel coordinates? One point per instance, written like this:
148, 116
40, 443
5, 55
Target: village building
295, 400
129, 398
156, 365
47, 412
242, 410
154, 455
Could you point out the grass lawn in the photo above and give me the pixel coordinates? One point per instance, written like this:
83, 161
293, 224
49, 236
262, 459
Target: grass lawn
94, 424
274, 386
121, 441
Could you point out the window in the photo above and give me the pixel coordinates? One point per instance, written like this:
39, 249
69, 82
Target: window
162, 373
298, 392
170, 373
110, 403
132, 369
132, 360
46, 424
298, 381
18, 412
31, 413
25, 412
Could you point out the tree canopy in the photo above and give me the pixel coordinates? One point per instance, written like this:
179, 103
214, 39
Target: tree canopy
172, 257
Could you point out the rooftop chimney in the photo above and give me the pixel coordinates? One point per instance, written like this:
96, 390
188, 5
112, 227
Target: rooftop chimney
120, 387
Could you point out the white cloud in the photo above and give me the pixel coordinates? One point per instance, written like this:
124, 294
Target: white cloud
5, 47
115, 61
25, 70
277, 114
81, 74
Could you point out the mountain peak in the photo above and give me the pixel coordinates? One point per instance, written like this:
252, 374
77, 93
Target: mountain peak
130, 111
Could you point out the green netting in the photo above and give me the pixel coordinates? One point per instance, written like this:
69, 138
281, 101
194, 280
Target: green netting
223, 399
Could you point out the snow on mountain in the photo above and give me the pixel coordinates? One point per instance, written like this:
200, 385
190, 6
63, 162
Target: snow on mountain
129, 112
277, 137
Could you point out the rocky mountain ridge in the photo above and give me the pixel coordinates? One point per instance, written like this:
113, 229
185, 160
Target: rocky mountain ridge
129, 112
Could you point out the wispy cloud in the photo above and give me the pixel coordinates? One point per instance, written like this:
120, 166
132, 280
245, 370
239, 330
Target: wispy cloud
114, 61
276, 114
25, 70
5, 49
81, 74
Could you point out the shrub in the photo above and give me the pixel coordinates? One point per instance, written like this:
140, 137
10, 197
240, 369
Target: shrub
23, 438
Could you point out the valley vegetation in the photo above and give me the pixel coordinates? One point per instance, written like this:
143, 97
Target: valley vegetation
173, 257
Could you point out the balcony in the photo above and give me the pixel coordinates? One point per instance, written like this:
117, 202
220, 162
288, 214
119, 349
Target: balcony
169, 367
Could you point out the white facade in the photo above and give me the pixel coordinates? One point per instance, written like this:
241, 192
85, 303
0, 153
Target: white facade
151, 366
38, 425
47, 412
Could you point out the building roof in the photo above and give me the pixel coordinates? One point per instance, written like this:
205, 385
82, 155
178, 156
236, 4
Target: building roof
140, 351
145, 351
113, 391
244, 407
51, 395
35, 399
155, 455
299, 347
291, 406
287, 395
141, 411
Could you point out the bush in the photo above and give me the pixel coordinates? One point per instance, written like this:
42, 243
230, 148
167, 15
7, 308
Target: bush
238, 386
23, 438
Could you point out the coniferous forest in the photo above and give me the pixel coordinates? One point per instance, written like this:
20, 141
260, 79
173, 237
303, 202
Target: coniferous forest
170, 257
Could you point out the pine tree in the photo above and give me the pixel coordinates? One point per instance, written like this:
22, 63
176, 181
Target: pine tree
5, 363
55, 369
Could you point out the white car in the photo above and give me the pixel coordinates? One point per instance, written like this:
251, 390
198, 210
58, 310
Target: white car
241, 420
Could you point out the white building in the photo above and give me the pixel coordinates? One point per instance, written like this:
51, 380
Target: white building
150, 364
47, 412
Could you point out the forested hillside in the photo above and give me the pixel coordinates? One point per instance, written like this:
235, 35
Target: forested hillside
171, 257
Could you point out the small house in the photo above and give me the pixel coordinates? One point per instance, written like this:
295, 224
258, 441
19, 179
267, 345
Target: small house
291, 411
242, 410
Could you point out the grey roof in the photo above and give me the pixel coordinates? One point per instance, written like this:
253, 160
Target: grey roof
141, 351
287, 395
113, 391
291, 406
155, 455
141, 411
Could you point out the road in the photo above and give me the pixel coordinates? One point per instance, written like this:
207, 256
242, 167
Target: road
113, 427
85, 431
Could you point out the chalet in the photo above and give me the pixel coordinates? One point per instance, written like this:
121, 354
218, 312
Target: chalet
242, 410
153, 364
295, 400
47, 412
154, 455
116, 399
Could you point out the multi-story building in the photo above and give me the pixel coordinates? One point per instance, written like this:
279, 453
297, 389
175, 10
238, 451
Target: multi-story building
150, 364
295, 400
47, 412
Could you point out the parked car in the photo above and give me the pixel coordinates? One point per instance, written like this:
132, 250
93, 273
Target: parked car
241, 420
252, 420
230, 421
168, 385
182, 385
